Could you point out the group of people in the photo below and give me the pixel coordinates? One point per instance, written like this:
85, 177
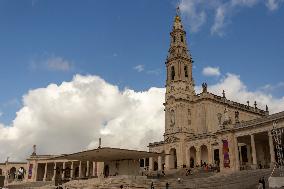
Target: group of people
208, 167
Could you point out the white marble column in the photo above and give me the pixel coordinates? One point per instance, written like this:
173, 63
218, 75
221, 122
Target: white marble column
63, 170
271, 149
151, 164
237, 159
160, 163
45, 172
80, 169
88, 169
72, 170
54, 171
253, 152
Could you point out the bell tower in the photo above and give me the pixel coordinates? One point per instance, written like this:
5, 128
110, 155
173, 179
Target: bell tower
179, 83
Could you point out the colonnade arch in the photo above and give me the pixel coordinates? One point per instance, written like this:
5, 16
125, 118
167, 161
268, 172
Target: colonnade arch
192, 156
12, 173
173, 158
203, 154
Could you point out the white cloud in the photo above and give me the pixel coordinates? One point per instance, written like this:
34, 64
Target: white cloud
211, 71
154, 72
273, 4
51, 63
193, 15
72, 116
139, 68
271, 88
219, 12
219, 22
236, 90
58, 64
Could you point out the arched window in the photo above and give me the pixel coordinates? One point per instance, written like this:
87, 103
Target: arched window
172, 72
174, 38
181, 38
185, 71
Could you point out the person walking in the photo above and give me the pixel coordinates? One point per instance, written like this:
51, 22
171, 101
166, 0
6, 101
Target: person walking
152, 185
263, 182
167, 185
260, 185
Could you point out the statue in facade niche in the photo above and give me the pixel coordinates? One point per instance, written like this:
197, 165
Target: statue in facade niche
219, 116
227, 119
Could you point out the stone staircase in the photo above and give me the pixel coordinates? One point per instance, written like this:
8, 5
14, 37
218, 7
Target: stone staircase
28, 185
201, 180
239, 180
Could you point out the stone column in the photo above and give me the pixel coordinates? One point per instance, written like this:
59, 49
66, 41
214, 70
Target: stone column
35, 171
80, 169
241, 157
198, 156
151, 164
210, 156
54, 171
253, 151
88, 169
45, 172
94, 169
271, 149
63, 171
167, 162
160, 163
72, 170
27, 172
221, 155
188, 158
237, 159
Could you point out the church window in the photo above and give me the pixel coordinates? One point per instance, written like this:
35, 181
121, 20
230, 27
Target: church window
185, 71
174, 38
172, 72
181, 38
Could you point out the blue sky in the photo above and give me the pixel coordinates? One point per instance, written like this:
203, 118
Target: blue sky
43, 42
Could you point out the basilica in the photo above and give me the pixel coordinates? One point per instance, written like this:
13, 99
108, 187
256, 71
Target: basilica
200, 129
208, 128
